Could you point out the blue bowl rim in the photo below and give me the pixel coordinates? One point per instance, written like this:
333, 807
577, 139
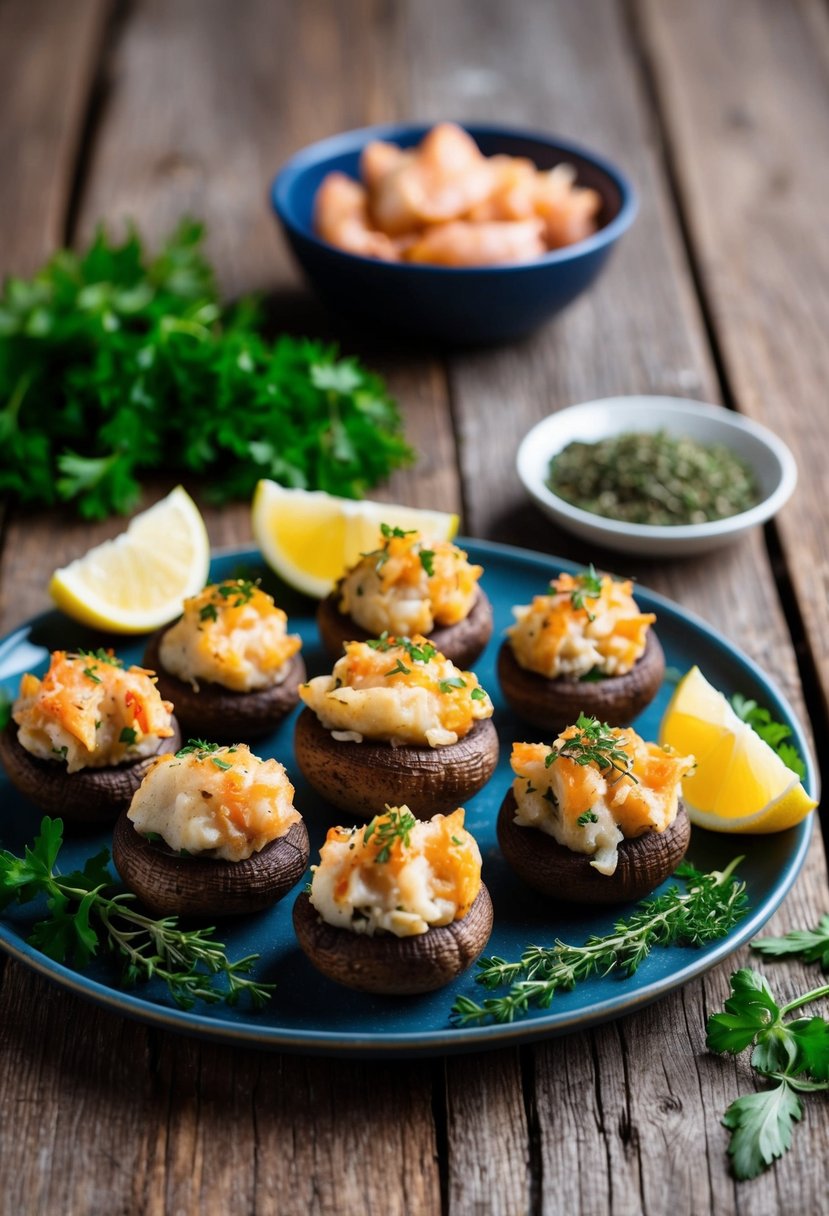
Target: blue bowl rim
350, 141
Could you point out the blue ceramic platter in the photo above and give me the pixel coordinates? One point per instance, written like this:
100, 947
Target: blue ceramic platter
310, 1014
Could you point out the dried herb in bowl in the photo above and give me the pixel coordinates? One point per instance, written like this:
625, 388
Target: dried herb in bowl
653, 478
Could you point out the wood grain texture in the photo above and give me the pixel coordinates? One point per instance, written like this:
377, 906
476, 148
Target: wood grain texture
48, 59
206, 98
756, 218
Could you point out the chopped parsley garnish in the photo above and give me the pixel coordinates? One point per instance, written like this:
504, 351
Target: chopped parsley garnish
427, 561
222, 764
478, 694
456, 840
208, 612
394, 825
418, 653
89, 672
388, 531
128, 735
200, 746
590, 587
452, 682
587, 817
103, 656
399, 668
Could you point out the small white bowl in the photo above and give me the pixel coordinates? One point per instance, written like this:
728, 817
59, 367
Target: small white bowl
770, 459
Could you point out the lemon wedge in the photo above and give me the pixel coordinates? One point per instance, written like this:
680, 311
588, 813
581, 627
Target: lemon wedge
740, 784
310, 538
138, 580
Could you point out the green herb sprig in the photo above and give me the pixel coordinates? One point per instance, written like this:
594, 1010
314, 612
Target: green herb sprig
84, 921
595, 743
793, 1053
708, 909
114, 363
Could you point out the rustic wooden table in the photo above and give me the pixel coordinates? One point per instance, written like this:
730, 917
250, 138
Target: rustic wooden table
150, 109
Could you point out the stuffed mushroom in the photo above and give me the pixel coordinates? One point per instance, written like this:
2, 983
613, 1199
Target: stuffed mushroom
212, 831
596, 817
395, 722
82, 737
396, 906
228, 663
584, 646
408, 586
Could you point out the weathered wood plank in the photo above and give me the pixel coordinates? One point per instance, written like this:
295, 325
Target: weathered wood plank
321, 1136
640, 1101
48, 58
743, 88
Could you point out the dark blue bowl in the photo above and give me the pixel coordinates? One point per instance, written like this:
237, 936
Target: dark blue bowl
444, 304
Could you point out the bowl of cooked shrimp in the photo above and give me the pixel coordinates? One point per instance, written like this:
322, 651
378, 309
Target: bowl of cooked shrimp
452, 234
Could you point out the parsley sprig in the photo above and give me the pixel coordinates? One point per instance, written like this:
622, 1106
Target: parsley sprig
112, 360
594, 743
84, 921
792, 1053
708, 909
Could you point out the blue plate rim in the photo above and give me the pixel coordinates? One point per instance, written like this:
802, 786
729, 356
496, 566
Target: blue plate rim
463, 1039
349, 141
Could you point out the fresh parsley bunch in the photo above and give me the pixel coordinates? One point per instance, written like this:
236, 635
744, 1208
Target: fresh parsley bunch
84, 919
113, 364
792, 1053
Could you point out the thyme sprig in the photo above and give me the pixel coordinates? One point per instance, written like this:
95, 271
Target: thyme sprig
595, 743
708, 909
84, 921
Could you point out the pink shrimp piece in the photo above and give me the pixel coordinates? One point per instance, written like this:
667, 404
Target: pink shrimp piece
569, 211
341, 218
513, 191
443, 179
460, 243
379, 158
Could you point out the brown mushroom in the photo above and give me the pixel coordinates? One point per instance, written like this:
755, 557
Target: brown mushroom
554, 705
215, 712
394, 966
362, 778
91, 795
462, 643
549, 867
175, 884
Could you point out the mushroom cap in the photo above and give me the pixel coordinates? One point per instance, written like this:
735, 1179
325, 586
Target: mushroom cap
170, 884
549, 867
462, 643
362, 778
554, 705
219, 713
92, 795
394, 966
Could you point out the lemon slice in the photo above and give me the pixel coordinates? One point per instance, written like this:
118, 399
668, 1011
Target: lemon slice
740, 784
310, 538
138, 581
